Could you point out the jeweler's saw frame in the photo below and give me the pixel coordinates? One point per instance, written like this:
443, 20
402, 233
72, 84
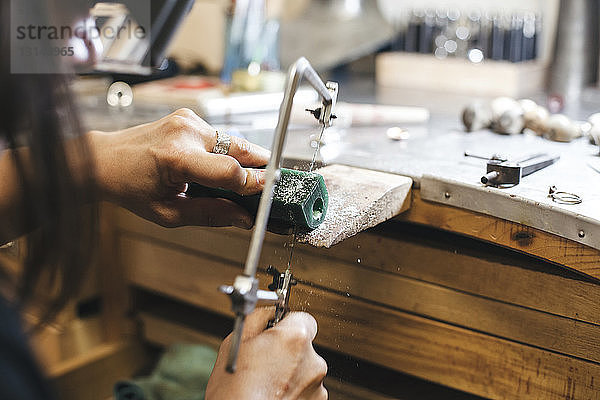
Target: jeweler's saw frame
244, 292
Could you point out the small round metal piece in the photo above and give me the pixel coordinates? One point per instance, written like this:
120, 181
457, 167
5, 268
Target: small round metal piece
119, 95
223, 143
581, 233
397, 133
447, 195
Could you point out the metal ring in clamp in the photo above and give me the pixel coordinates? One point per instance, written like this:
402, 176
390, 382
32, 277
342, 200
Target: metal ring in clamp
561, 197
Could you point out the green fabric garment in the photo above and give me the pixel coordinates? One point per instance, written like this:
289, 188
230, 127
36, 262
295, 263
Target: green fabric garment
181, 374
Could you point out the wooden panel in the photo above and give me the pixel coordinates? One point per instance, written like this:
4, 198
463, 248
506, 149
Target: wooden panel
387, 249
456, 357
510, 234
92, 375
179, 275
59, 342
164, 332
424, 72
477, 272
111, 279
155, 266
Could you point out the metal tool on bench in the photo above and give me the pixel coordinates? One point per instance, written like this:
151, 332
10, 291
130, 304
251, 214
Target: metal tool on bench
244, 292
504, 172
562, 197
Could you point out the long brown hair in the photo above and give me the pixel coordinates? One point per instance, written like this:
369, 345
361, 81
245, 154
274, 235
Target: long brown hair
55, 200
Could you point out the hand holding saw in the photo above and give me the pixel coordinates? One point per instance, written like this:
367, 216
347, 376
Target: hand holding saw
244, 293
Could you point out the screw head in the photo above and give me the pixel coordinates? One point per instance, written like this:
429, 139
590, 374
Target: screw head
447, 195
581, 233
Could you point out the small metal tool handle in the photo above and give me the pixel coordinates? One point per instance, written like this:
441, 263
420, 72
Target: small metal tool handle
490, 177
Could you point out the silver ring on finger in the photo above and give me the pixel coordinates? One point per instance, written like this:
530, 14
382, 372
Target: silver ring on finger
223, 143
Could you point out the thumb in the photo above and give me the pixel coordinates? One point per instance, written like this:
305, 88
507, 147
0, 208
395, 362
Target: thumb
257, 322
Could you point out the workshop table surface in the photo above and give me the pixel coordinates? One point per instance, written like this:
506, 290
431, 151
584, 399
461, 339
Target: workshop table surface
433, 157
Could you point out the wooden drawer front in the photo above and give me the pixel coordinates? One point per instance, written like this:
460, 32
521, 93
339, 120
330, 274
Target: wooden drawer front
506, 278
380, 332
495, 296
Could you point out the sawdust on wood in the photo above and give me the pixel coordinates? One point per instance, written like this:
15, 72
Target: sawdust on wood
358, 199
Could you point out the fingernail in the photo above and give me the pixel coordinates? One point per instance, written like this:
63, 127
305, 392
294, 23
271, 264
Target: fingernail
260, 177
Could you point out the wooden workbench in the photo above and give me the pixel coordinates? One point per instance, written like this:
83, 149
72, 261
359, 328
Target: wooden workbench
475, 297
470, 301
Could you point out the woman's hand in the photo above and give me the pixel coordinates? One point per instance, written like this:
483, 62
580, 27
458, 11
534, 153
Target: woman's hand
146, 169
277, 363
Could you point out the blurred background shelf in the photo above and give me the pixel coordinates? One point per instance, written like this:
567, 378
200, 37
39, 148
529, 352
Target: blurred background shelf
489, 78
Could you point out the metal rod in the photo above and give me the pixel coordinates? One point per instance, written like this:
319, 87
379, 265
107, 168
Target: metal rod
539, 164
301, 68
238, 329
529, 157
